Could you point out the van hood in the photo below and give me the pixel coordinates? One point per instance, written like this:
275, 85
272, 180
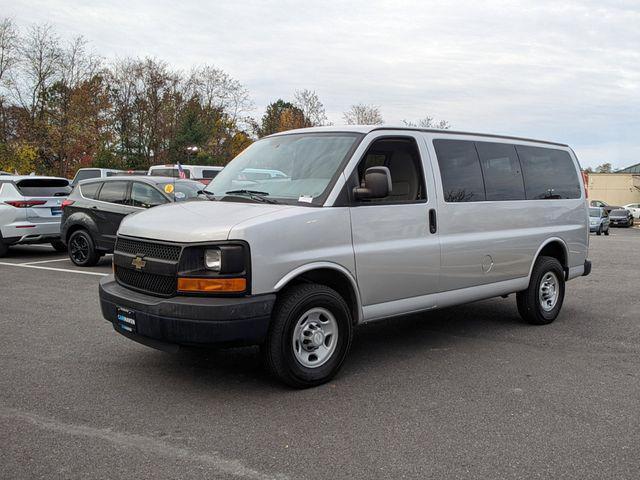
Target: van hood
195, 221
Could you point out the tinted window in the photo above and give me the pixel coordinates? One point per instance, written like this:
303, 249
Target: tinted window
85, 174
89, 190
169, 172
113, 192
594, 212
145, 196
548, 173
210, 173
43, 187
460, 171
501, 171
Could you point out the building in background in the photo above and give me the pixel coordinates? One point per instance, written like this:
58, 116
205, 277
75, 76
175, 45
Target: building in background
620, 188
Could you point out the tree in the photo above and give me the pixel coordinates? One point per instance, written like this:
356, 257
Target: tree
308, 102
362, 114
280, 116
428, 122
604, 168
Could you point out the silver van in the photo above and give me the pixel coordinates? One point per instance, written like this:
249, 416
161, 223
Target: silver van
366, 223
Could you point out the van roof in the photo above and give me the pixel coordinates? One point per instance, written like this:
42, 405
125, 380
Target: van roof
370, 128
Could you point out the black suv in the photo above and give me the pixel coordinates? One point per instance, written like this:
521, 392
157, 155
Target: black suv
93, 211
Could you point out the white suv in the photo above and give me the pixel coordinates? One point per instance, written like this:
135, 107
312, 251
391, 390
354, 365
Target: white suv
30, 210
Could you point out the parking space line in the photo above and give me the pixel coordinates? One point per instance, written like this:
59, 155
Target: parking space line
24, 265
44, 261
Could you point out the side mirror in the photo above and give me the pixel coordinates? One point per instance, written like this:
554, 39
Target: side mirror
376, 184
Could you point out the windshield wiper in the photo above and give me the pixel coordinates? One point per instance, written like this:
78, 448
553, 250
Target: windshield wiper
253, 194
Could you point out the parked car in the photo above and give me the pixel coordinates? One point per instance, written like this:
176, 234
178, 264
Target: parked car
370, 223
93, 212
621, 217
202, 173
599, 221
88, 173
4, 173
605, 205
30, 209
634, 208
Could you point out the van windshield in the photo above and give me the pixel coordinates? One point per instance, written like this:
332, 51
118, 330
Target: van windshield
290, 168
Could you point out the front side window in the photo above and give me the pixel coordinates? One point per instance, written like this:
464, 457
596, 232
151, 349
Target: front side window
113, 192
289, 168
501, 171
145, 196
548, 173
460, 171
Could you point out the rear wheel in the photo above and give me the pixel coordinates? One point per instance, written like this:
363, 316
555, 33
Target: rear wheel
58, 246
82, 250
309, 336
599, 232
541, 302
4, 248
606, 232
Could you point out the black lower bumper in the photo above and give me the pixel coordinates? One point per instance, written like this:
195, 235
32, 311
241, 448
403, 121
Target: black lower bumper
166, 322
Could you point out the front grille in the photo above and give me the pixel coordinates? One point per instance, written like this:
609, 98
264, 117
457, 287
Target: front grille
148, 282
148, 249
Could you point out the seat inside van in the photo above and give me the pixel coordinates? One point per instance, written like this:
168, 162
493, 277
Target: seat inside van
400, 156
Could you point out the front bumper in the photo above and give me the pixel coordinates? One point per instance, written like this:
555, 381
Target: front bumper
165, 323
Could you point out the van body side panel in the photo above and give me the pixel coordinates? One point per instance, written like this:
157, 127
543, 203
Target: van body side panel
495, 241
293, 237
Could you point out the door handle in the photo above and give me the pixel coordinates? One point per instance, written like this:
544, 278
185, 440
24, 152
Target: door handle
433, 222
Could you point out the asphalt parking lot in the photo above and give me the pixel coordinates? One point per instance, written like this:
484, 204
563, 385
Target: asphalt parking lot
466, 392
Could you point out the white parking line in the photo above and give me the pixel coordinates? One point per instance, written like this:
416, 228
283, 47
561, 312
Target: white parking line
45, 261
24, 265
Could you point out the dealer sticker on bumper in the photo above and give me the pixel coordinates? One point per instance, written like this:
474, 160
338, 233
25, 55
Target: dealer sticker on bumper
126, 319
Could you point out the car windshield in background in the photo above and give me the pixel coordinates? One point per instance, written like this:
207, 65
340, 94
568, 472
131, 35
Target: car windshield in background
618, 213
44, 187
181, 191
296, 167
594, 212
169, 172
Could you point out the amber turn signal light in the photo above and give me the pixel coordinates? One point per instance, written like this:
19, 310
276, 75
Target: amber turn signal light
212, 285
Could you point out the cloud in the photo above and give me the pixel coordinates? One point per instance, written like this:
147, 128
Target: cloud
566, 71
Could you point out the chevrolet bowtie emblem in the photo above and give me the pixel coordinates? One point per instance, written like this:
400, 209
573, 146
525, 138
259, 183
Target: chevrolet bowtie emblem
139, 263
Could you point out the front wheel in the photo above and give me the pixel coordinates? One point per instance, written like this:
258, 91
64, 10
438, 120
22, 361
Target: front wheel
606, 232
599, 232
541, 302
309, 336
82, 250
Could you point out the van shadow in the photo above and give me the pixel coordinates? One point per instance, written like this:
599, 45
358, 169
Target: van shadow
373, 345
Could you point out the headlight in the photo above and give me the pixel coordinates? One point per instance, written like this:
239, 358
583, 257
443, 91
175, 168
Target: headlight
213, 259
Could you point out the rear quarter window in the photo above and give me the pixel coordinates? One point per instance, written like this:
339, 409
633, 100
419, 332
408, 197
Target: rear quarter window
90, 190
113, 192
501, 171
548, 173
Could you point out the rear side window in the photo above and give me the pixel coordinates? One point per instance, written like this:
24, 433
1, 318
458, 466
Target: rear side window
501, 171
86, 174
37, 187
113, 192
210, 173
460, 171
89, 190
169, 172
548, 173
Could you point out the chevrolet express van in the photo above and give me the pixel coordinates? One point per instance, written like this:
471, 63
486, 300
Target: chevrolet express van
367, 223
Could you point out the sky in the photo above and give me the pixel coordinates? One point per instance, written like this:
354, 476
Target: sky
555, 70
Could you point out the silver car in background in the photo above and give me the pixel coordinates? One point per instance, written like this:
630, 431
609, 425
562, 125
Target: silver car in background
599, 220
30, 210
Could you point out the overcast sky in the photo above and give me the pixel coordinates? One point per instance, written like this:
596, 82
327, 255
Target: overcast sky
556, 70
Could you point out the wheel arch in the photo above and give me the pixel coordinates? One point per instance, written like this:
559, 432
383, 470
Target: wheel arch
332, 275
76, 222
553, 247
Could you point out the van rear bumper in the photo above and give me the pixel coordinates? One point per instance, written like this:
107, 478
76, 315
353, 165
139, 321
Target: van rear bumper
164, 323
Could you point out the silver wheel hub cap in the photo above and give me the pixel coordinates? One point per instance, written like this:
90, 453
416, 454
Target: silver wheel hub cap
315, 337
548, 292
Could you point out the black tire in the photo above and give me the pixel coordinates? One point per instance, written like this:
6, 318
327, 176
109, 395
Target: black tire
599, 232
606, 232
529, 301
4, 248
82, 250
58, 246
278, 348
